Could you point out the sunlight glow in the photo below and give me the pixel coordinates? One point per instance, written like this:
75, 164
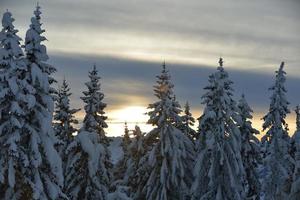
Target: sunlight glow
133, 115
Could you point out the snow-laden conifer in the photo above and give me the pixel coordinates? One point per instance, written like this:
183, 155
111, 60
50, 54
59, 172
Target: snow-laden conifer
219, 167
121, 166
277, 161
136, 173
64, 119
171, 156
13, 110
250, 150
42, 164
87, 172
188, 122
295, 188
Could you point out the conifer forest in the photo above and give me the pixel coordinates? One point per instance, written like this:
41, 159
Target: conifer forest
46, 152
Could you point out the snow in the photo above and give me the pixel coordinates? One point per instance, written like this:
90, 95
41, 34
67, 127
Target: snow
115, 149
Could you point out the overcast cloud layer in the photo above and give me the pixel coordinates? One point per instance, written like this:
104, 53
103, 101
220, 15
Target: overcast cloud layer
130, 39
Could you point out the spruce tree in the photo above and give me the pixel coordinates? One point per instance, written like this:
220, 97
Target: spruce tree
126, 139
87, 172
277, 161
250, 150
136, 173
42, 164
188, 122
219, 167
171, 156
64, 119
295, 188
13, 109
94, 120
120, 168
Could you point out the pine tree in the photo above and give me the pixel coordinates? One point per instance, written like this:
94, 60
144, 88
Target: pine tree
13, 109
219, 168
278, 161
42, 164
120, 168
136, 174
94, 120
250, 150
188, 122
65, 120
171, 156
88, 174
126, 139
295, 188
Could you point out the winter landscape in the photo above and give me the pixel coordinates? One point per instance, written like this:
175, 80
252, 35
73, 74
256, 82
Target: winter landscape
120, 124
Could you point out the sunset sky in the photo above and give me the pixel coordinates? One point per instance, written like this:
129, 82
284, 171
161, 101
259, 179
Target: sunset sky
128, 41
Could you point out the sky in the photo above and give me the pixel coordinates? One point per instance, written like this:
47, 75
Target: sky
128, 41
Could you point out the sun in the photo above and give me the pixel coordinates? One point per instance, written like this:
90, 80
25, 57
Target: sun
132, 115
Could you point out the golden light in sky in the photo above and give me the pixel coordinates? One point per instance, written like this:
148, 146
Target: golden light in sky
133, 115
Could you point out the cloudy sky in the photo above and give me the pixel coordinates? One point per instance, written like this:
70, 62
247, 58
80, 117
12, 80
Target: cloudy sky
128, 40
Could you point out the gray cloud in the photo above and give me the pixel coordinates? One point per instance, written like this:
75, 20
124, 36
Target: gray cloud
248, 32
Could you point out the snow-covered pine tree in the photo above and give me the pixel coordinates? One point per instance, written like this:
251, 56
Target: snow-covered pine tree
87, 171
135, 176
94, 120
42, 167
295, 188
171, 156
126, 139
277, 161
13, 109
219, 167
250, 150
188, 122
120, 167
64, 119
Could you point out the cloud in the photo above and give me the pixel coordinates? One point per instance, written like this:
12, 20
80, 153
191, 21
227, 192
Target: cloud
128, 40
249, 33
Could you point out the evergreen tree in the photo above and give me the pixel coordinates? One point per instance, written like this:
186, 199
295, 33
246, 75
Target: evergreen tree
94, 120
65, 120
42, 165
171, 156
120, 168
126, 139
250, 150
13, 109
88, 174
219, 167
277, 161
136, 170
295, 188
188, 122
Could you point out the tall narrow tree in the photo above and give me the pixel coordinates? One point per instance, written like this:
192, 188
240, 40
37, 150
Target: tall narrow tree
64, 119
219, 167
13, 109
278, 161
88, 176
42, 163
171, 156
250, 150
120, 168
295, 188
188, 122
